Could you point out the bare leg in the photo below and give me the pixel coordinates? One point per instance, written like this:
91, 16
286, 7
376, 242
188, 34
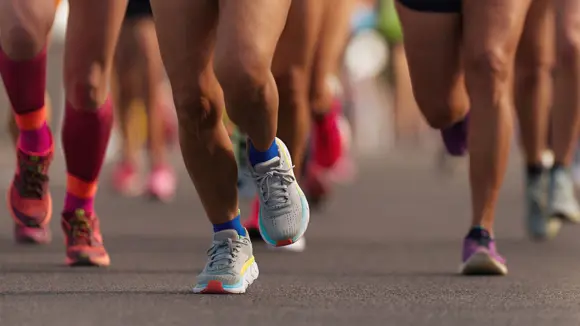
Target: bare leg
491, 38
186, 31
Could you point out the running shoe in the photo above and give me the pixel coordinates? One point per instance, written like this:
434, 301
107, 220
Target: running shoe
83, 239
126, 180
327, 140
539, 226
480, 256
562, 203
284, 212
29, 200
231, 267
455, 137
162, 184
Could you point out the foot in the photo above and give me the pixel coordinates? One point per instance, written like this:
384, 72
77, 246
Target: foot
251, 224
539, 226
455, 137
284, 212
84, 242
162, 183
231, 267
126, 180
29, 200
562, 203
480, 256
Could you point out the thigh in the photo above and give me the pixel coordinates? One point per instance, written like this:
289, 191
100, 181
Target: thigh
432, 46
297, 42
250, 29
186, 31
491, 32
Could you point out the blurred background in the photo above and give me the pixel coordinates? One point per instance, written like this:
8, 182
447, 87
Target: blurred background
375, 87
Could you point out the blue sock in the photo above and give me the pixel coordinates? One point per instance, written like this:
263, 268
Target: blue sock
234, 224
256, 157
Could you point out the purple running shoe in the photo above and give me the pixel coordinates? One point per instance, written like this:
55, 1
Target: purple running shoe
455, 137
480, 256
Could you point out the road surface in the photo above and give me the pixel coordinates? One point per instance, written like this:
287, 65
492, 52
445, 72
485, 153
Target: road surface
384, 252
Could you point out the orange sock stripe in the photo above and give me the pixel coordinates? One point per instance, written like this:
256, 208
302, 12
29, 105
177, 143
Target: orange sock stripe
80, 188
32, 120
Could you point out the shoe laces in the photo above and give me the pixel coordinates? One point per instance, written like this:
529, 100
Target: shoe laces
273, 186
223, 253
81, 228
32, 177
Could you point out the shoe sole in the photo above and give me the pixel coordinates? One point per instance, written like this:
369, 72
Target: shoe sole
564, 217
553, 227
296, 247
89, 262
481, 263
217, 287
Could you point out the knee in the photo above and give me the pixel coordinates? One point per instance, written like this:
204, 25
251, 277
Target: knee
531, 72
23, 42
242, 77
292, 82
568, 50
488, 68
199, 111
87, 91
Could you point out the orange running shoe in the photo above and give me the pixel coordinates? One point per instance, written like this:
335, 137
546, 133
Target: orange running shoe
83, 239
28, 198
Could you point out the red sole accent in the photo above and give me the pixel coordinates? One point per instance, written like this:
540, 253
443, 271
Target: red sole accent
283, 243
214, 287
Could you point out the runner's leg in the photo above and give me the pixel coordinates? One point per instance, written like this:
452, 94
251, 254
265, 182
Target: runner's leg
533, 88
92, 31
25, 25
566, 111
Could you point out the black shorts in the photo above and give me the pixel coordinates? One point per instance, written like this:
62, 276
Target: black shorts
442, 6
138, 9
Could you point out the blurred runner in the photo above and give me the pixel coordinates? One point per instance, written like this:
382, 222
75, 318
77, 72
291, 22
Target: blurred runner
140, 77
231, 43
330, 134
549, 190
92, 30
533, 95
487, 32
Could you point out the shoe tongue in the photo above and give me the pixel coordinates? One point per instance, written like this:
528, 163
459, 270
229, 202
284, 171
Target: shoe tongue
225, 234
267, 166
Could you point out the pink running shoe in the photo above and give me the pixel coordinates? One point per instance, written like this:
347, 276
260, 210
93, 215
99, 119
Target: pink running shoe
126, 180
162, 183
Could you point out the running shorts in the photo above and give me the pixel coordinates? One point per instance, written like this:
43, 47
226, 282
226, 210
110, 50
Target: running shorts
443, 6
388, 22
138, 9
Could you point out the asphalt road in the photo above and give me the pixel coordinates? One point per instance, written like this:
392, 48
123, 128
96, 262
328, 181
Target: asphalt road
384, 252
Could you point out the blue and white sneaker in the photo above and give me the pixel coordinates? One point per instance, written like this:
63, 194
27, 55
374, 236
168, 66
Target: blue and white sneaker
231, 267
284, 211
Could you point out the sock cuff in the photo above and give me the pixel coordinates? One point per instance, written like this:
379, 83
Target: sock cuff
31, 120
80, 188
